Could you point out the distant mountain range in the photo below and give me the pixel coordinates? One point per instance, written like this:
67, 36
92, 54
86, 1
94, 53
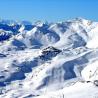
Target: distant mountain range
49, 60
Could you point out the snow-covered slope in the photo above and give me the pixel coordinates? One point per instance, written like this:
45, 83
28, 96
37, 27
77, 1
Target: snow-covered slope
49, 60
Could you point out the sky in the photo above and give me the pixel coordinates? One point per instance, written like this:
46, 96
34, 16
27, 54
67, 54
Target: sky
48, 10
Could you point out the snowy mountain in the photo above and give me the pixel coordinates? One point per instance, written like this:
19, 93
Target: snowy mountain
49, 60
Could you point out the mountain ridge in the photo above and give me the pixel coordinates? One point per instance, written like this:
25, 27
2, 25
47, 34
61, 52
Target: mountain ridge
44, 58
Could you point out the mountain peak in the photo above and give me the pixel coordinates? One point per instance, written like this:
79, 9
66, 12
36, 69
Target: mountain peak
53, 57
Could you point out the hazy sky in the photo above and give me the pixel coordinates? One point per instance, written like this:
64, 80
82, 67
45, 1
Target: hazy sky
50, 10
